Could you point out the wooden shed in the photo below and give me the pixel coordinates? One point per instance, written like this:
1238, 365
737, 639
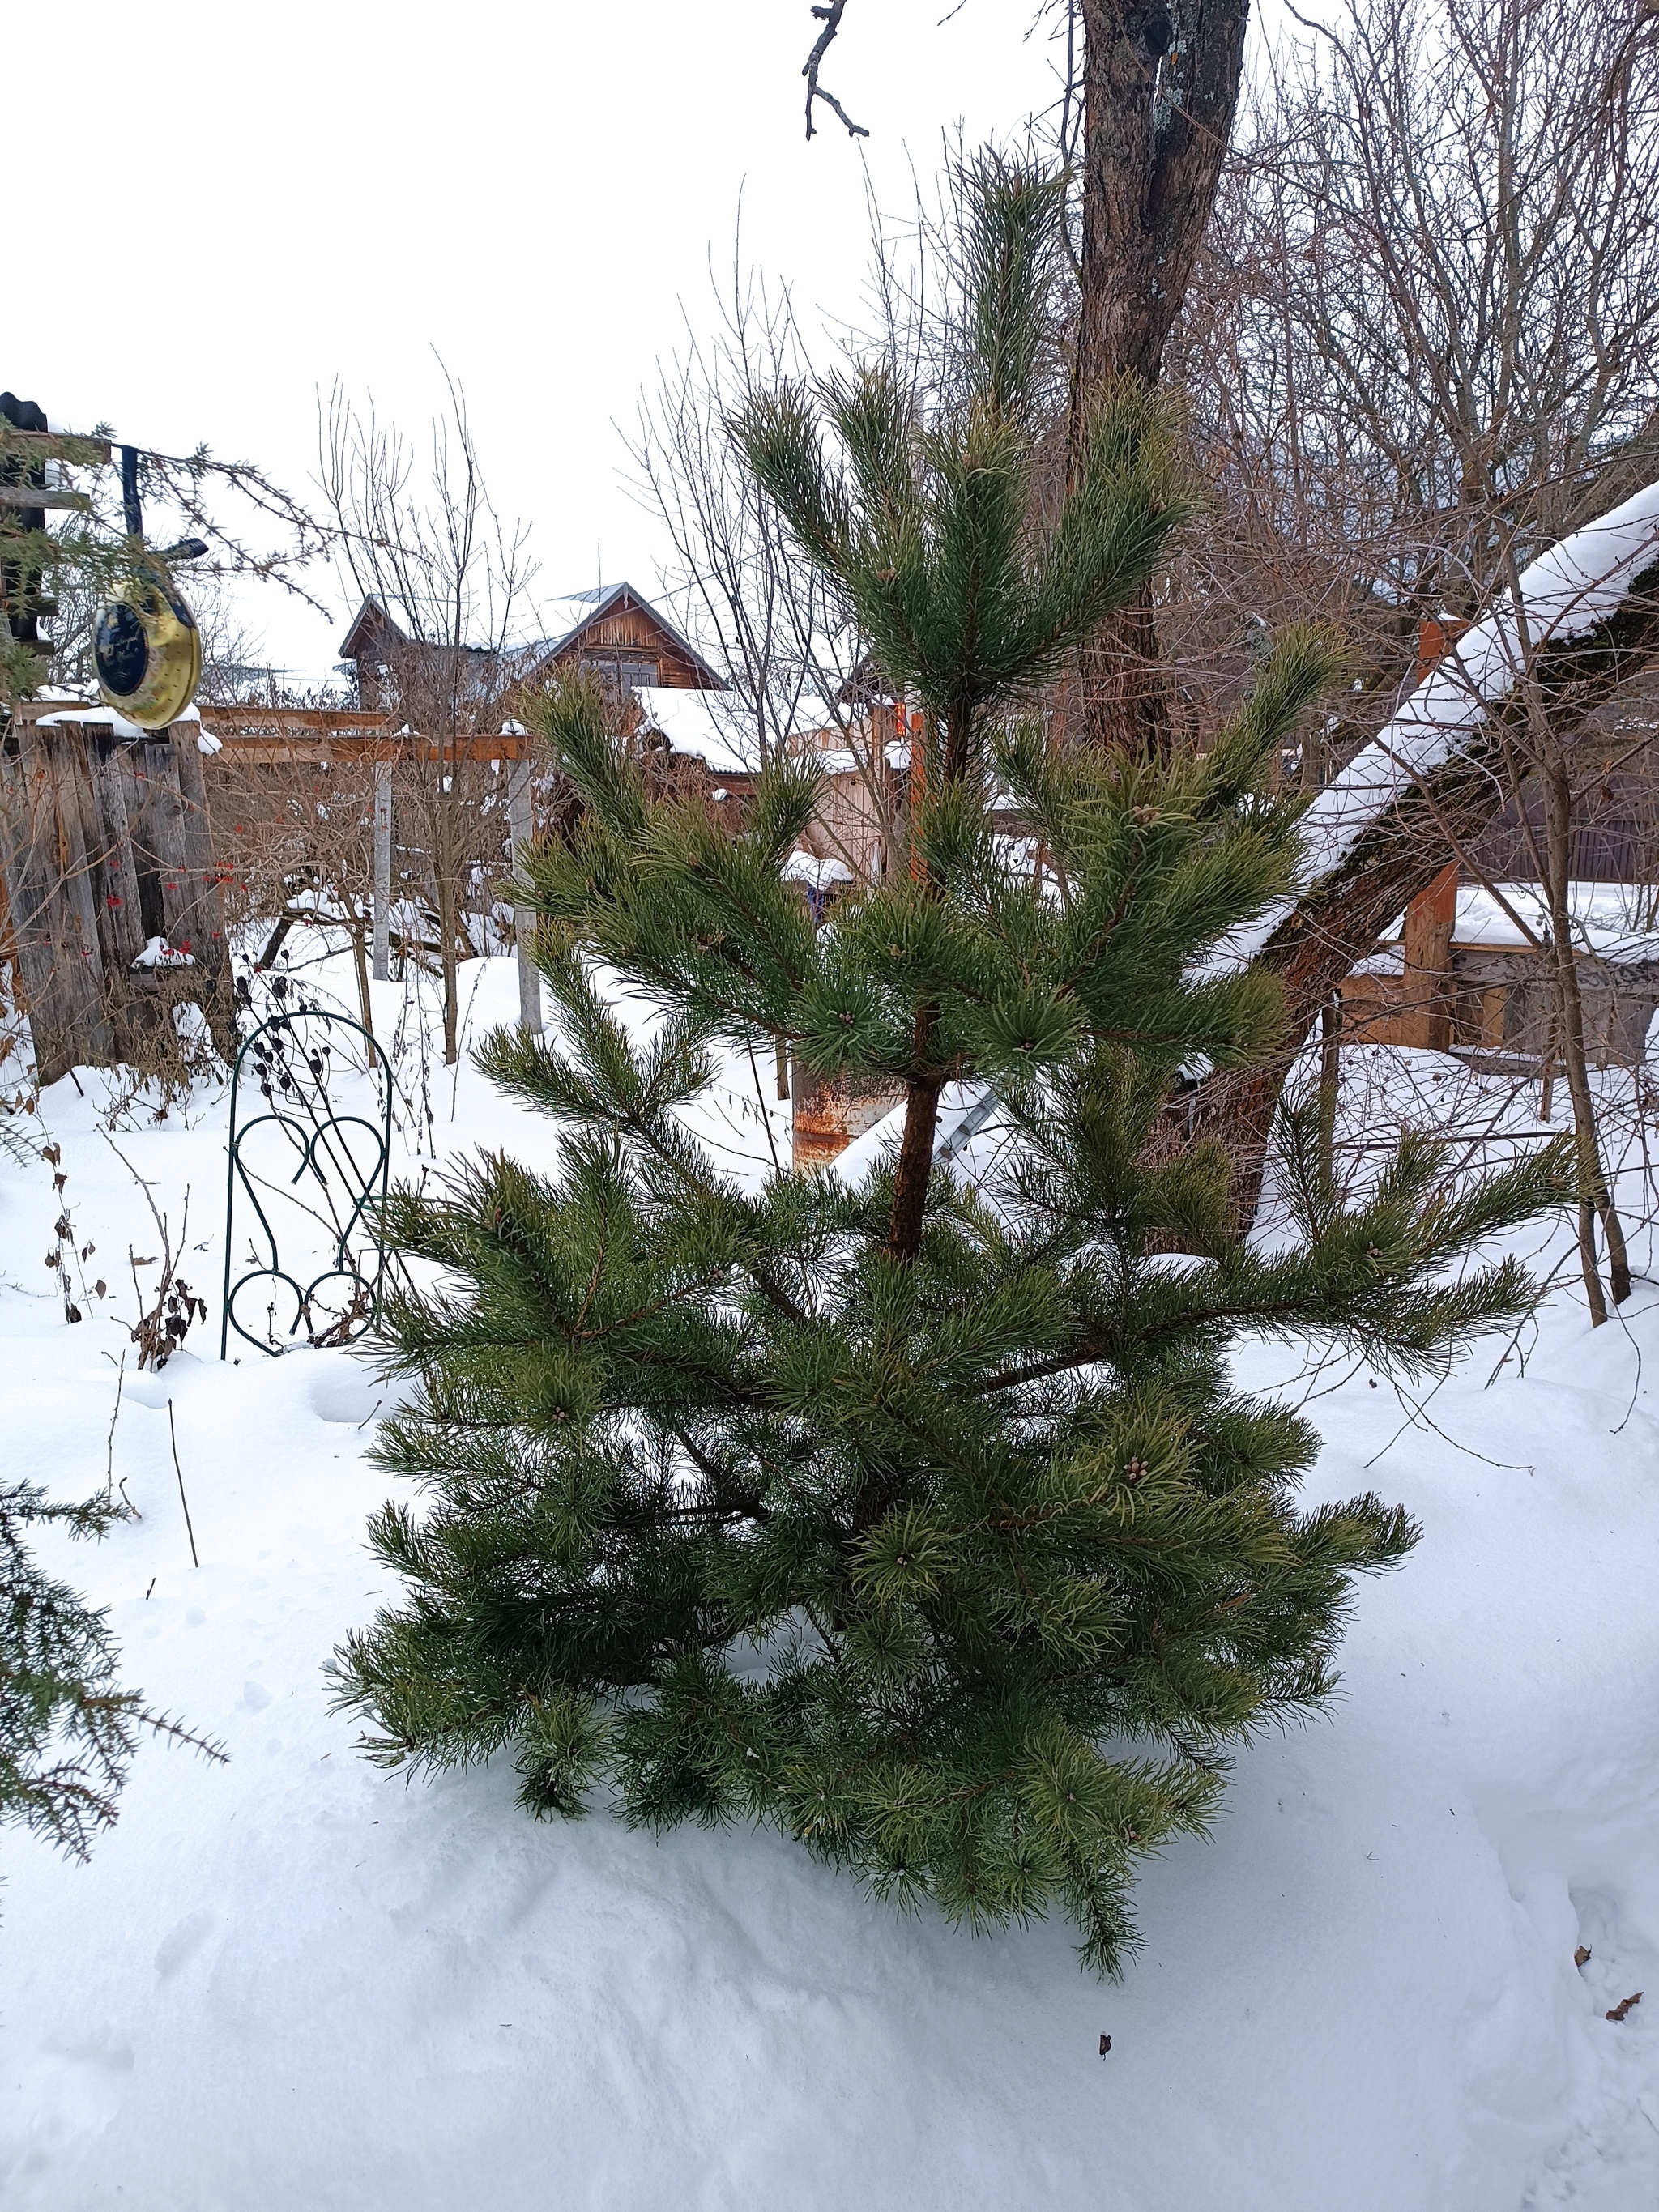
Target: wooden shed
1453, 982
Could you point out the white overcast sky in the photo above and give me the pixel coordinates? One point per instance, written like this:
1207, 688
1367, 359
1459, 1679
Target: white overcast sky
248, 201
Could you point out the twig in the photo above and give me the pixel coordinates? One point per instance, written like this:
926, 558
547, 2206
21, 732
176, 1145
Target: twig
109, 1454
163, 1725
766, 1118
1420, 1416
831, 18
180, 1471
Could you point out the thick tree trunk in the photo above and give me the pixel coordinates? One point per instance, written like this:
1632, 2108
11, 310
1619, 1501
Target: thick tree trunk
1160, 88
1160, 85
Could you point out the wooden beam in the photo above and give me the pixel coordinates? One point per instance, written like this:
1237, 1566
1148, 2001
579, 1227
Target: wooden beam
227, 720
278, 752
36, 710
1430, 920
36, 446
33, 496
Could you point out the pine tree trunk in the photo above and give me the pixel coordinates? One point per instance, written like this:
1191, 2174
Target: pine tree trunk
915, 1159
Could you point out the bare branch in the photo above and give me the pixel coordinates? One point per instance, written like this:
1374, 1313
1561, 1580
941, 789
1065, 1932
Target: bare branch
831, 18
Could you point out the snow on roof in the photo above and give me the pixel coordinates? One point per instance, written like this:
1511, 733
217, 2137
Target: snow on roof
703, 725
1564, 593
818, 875
1614, 921
841, 760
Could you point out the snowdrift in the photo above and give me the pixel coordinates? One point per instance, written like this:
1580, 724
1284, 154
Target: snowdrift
296, 1982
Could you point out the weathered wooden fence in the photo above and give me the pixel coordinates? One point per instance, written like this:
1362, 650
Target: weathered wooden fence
106, 852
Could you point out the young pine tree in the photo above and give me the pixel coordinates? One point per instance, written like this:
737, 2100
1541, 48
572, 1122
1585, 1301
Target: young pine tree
67, 1730
919, 1520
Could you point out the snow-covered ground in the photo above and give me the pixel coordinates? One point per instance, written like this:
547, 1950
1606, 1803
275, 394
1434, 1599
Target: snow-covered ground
294, 1982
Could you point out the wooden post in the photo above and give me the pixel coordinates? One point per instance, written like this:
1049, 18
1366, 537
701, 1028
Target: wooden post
383, 871
524, 917
196, 912
1430, 919
1330, 1077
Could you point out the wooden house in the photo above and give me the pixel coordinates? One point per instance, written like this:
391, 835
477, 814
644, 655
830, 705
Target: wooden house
618, 634
1459, 976
615, 632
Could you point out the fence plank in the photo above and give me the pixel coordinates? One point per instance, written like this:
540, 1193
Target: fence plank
201, 907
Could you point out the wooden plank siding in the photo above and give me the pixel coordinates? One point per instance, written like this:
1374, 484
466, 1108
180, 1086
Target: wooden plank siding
106, 845
632, 636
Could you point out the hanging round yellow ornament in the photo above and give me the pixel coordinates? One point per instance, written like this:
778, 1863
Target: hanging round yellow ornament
148, 648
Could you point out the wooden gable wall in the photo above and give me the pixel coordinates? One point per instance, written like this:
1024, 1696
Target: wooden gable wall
629, 635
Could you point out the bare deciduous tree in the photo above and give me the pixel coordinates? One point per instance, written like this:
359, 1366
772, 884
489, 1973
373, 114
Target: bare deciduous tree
772, 624
453, 578
1443, 276
1422, 343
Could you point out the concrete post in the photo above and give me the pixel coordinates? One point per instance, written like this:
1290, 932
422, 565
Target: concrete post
383, 872
524, 917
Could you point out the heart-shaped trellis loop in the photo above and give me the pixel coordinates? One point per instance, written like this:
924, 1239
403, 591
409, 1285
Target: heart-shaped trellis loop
343, 1319
274, 1151
249, 1286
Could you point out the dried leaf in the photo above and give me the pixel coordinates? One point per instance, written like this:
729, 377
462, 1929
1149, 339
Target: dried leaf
1618, 2011
1581, 1955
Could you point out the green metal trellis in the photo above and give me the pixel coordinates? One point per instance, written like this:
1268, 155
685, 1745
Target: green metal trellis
295, 1069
